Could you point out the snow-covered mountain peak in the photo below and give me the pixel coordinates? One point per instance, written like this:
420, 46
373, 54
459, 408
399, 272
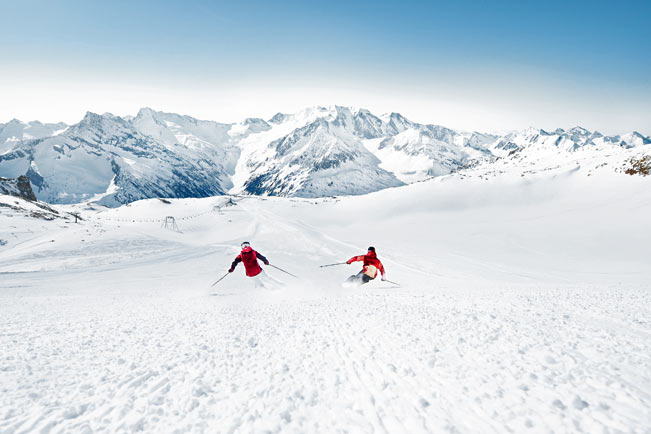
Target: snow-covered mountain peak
15, 131
312, 113
154, 124
257, 125
94, 119
579, 130
90, 117
306, 115
147, 115
635, 139
278, 118
344, 117
146, 111
100, 127
530, 132
154, 115
247, 127
363, 112
396, 123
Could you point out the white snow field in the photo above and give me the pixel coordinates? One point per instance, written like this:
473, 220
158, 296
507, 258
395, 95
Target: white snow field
525, 306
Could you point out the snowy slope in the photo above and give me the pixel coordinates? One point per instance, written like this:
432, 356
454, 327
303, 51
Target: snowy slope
524, 306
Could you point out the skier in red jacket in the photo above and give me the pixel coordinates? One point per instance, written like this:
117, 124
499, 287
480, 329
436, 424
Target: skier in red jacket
249, 258
369, 271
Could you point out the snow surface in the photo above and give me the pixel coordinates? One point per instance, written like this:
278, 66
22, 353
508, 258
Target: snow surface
525, 306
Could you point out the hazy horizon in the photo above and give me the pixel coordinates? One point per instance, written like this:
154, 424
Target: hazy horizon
270, 115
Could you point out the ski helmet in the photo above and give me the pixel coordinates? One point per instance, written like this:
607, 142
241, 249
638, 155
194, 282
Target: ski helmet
246, 244
371, 249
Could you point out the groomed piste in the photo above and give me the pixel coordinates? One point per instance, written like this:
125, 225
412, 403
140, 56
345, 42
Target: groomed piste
524, 306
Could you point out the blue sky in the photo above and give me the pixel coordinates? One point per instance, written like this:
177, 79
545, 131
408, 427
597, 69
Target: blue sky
472, 65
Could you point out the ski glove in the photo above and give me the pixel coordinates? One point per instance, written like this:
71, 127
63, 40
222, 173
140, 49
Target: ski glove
384, 278
230, 270
266, 262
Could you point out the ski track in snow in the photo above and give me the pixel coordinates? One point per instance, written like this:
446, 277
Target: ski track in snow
120, 333
369, 361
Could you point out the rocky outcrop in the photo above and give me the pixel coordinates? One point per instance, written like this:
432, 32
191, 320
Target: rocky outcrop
20, 187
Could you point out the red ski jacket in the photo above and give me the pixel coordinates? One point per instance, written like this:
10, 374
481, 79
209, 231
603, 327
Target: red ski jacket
370, 259
250, 259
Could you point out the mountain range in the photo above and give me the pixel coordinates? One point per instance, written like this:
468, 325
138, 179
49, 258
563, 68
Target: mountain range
316, 152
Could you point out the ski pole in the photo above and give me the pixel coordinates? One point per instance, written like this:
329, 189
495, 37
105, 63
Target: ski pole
220, 279
277, 268
331, 265
395, 283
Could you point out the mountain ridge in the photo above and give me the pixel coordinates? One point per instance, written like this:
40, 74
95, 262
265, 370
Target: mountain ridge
318, 151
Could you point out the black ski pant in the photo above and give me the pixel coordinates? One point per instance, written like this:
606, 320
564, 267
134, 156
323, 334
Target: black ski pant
360, 277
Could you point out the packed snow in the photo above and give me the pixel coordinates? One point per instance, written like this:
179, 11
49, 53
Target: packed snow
524, 305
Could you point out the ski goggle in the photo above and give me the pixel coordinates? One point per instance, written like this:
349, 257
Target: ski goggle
246, 244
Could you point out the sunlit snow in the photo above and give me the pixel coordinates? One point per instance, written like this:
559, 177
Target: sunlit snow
524, 305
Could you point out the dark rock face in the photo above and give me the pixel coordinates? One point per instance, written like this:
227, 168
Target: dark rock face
639, 166
25, 188
20, 187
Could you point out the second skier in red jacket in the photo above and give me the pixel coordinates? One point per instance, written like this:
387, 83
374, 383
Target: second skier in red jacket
370, 269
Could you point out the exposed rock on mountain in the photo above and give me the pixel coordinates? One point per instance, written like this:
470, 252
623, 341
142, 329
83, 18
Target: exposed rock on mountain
19, 187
